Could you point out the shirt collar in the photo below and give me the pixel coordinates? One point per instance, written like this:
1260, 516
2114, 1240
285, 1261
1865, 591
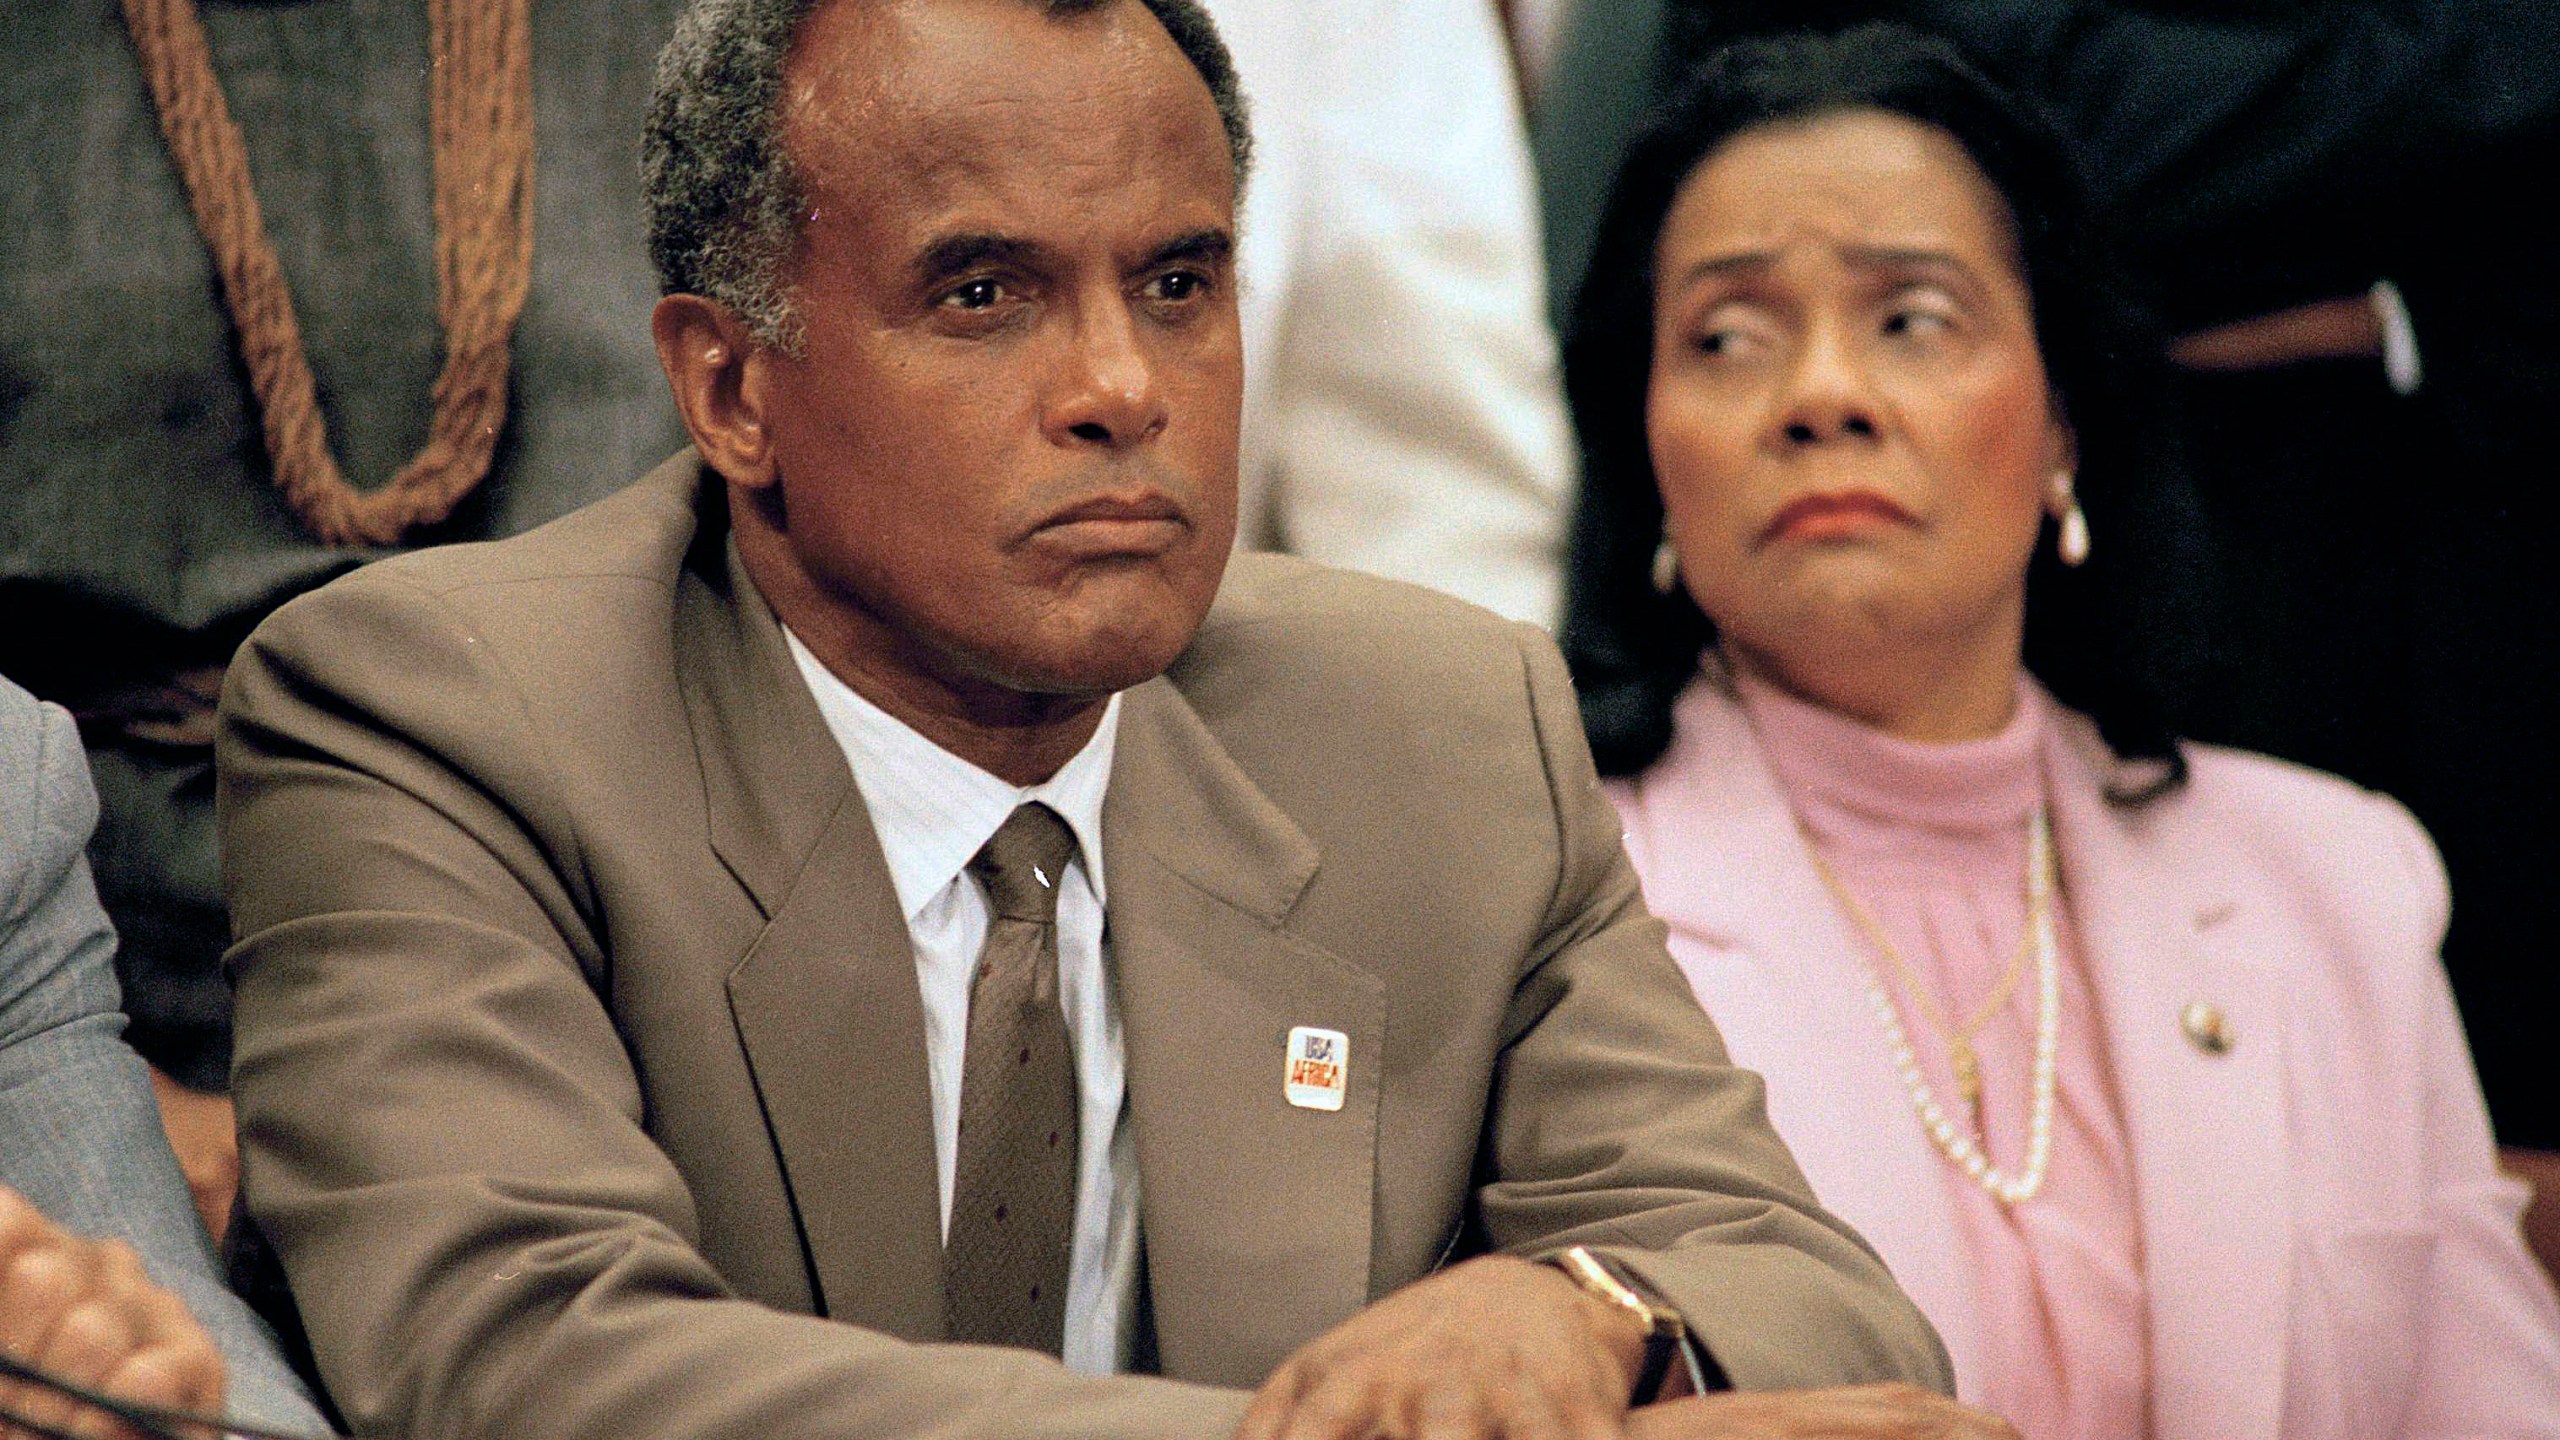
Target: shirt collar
1830, 765
931, 809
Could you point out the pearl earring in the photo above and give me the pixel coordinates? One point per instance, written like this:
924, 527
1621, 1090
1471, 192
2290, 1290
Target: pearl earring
2072, 539
1666, 567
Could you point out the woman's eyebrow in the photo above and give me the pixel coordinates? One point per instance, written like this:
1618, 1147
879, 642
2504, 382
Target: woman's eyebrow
1865, 257
1718, 265
1905, 259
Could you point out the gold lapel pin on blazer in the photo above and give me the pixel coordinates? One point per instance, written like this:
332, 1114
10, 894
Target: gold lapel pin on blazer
2208, 1029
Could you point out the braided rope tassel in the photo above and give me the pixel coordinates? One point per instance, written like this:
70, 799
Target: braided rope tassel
480, 113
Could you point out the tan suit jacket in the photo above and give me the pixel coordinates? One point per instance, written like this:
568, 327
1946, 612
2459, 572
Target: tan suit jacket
581, 1061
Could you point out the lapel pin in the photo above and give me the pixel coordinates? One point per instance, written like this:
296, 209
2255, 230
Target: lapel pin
2208, 1029
1319, 1068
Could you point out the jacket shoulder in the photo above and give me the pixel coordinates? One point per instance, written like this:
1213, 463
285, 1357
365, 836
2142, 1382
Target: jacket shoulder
2281, 800
1278, 614
1383, 717
571, 593
641, 531
2353, 853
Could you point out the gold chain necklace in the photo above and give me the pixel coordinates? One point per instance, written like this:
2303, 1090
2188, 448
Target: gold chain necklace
1962, 1058
1966, 1151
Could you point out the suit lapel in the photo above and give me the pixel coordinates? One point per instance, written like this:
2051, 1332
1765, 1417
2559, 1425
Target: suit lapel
825, 1000
1776, 968
2208, 1132
1257, 1214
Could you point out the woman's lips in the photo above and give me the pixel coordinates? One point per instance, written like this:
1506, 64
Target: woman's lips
1833, 515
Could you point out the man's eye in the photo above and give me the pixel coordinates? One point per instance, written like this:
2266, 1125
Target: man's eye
1916, 322
1178, 284
973, 295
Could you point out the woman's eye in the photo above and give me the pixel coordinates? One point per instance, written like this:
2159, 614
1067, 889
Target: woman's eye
1720, 342
1916, 322
973, 294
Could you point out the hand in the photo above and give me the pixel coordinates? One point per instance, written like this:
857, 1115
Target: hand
1495, 1346
83, 1311
2541, 1170
1849, 1412
2347, 328
205, 1135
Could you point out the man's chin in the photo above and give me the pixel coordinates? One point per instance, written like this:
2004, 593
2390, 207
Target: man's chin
1113, 631
1096, 664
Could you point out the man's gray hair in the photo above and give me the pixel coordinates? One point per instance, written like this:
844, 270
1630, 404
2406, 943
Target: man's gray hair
724, 201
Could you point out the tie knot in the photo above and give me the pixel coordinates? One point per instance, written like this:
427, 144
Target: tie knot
1024, 863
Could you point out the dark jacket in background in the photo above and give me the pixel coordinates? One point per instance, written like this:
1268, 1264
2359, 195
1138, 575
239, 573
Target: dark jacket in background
139, 533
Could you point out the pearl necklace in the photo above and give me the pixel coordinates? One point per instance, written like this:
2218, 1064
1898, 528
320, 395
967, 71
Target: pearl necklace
1951, 1141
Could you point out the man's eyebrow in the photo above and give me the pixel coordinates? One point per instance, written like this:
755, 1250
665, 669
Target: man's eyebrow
952, 254
1212, 246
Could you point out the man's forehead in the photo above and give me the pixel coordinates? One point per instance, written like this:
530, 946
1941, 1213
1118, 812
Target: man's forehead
960, 89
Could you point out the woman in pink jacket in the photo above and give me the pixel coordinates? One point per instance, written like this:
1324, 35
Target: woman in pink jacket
2133, 1057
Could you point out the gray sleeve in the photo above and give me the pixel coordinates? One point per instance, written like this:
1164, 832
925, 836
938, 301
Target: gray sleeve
79, 1134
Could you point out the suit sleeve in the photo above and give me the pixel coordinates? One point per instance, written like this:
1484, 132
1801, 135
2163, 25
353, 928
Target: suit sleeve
79, 1135
2489, 1360
1419, 426
1618, 1122
443, 1134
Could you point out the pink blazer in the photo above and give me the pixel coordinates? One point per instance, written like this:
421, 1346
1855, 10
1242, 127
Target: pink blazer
2330, 1252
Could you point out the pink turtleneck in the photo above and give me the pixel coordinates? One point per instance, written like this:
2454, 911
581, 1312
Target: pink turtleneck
1932, 840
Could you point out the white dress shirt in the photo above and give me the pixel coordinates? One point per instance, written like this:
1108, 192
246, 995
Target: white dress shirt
933, 811
1403, 411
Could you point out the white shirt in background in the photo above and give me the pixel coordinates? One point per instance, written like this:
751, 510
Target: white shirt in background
1404, 409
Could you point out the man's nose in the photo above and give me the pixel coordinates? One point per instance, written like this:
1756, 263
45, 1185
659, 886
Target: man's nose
1827, 395
1108, 393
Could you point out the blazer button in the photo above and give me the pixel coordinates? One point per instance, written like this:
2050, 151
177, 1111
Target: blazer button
2208, 1029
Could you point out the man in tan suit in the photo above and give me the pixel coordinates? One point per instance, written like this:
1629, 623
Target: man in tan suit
622, 906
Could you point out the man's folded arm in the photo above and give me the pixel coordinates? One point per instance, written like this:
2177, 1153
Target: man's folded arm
443, 1133
1617, 1122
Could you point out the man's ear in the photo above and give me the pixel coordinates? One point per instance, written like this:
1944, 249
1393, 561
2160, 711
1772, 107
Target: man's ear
722, 380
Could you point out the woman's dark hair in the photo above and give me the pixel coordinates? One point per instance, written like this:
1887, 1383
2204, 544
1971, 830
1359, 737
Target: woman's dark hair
2100, 636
